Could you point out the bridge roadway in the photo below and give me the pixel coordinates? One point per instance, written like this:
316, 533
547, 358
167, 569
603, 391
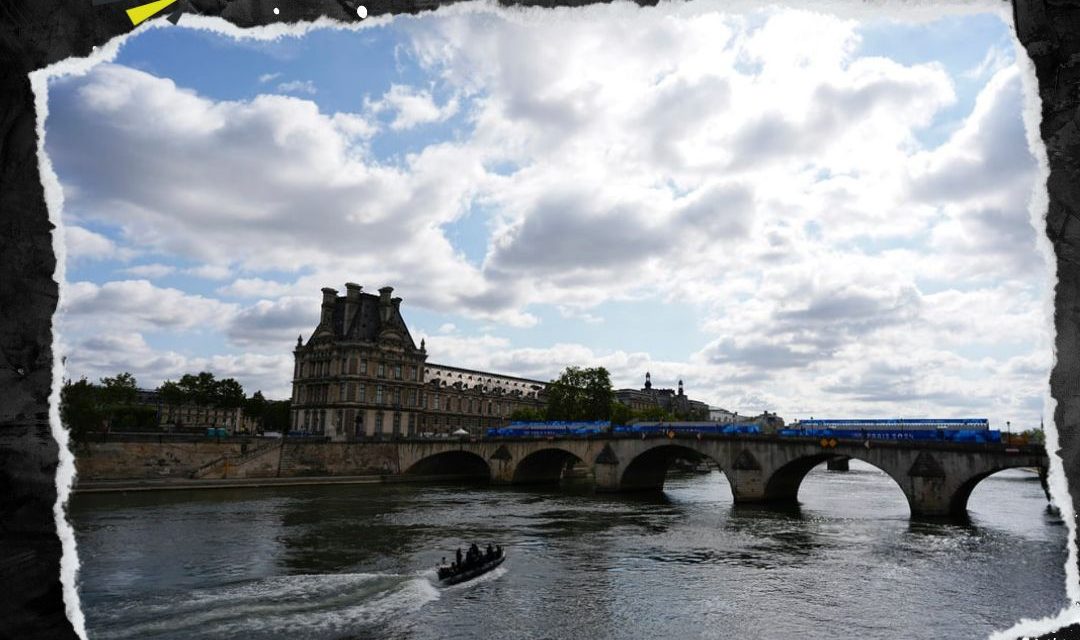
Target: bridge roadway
936, 477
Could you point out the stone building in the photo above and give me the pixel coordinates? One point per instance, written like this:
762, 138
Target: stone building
360, 374
174, 417
669, 400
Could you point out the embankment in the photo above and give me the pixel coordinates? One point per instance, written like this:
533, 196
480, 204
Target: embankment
174, 464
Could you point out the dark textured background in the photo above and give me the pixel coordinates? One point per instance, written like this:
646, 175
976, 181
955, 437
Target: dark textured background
37, 33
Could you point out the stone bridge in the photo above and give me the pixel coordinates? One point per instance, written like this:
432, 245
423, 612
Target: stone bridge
936, 477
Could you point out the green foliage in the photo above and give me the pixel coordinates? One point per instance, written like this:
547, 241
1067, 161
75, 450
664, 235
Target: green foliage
275, 416
527, 414
119, 390
255, 406
580, 394
1034, 436
204, 390
654, 414
228, 394
621, 414
80, 408
86, 407
171, 393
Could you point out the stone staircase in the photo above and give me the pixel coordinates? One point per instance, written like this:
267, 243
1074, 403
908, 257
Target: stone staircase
262, 461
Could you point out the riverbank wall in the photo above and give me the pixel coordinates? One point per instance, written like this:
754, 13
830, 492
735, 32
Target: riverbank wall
207, 460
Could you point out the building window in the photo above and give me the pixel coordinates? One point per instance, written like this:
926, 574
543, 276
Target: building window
378, 394
412, 424
381, 370
397, 397
436, 401
397, 423
361, 393
397, 372
378, 423
363, 366
412, 398
341, 392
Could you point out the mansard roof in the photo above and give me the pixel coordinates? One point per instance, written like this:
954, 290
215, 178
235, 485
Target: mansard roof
367, 324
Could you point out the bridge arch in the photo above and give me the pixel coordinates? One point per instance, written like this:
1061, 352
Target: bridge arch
784, 482
958, 502
459, 464
549, 465
648, 469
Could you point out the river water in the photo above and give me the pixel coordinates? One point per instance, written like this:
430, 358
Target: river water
357, 561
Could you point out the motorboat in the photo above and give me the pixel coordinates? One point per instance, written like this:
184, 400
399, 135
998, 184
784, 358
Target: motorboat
472, 564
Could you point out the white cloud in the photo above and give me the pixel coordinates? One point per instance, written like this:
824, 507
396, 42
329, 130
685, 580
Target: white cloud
210, 271
151, 271
254, 288
412, 107
81, 243
139, 305
298, 86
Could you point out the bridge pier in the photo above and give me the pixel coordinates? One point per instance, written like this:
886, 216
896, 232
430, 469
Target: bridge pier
747, 485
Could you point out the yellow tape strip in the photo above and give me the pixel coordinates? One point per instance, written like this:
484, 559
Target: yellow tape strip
144, 11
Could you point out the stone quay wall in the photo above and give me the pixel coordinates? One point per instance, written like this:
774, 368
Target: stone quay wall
107, 461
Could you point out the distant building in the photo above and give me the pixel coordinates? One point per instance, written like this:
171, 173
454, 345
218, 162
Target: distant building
360, 374
172, 417
670, 400
723, 416
769, 422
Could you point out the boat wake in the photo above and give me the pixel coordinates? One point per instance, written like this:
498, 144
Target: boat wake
303, 606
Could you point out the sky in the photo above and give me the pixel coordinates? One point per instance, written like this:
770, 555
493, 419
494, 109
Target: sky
790, 211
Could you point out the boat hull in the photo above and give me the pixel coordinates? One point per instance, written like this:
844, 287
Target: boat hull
476, 571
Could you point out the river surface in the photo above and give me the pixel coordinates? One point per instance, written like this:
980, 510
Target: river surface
358, 562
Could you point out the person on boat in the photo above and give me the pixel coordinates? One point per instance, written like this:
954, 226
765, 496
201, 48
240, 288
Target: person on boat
490, 552
474, 551
459, 556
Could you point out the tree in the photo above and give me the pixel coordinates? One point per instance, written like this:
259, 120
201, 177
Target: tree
580, 394
276, 416
527, 414
255, 406
120, 390
1035, 436
80, 407
117, 397
199, 389
172, 393
620, 413
654, 413
228, 394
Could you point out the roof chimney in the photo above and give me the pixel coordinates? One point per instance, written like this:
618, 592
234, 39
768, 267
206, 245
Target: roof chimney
329, 296
384, 303
352, 302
